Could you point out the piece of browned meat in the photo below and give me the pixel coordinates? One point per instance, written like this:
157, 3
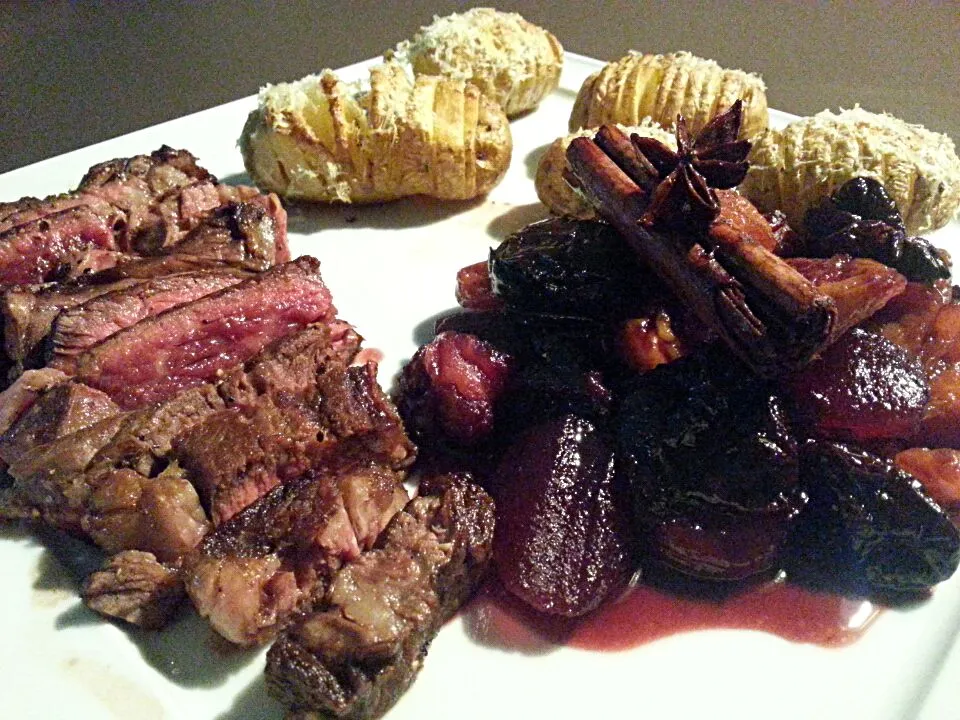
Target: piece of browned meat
82, 326
190, 344
91, 481
316, 410
146, 205
61, 410
28, 312
241, 233
361, 647
270, 559
135, 587
22, 394
33, 252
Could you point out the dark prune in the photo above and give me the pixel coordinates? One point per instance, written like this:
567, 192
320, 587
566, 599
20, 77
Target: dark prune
448, 390
868, 528
866, 197
567, 266
712, 464
563, 539
862, 388
921, 261
860, 219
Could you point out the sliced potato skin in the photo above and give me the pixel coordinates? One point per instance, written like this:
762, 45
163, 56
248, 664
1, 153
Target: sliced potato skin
321, 139
664, 86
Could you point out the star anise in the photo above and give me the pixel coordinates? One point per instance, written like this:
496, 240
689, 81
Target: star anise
684, 198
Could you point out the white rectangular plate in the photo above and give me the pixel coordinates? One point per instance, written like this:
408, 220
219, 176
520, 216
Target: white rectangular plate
391, 270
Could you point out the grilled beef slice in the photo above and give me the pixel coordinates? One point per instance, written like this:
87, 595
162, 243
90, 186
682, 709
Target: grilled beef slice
358, 651
28, 312
237, 454
145, 204
190, 344
23, 393
76, 329
135, 587
60, 480
268, 560
33, 252
62, 410
248, 233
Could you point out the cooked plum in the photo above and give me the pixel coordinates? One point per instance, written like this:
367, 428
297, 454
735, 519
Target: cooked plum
712, 462
862, 388
572, 267
447, 392
869, 528
563, 541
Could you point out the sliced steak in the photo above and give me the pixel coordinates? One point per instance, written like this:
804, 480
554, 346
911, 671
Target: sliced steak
33, 252
361, 648
128, 510
135, 587
190, 344
268, 561
23, 393
241, 233
81, 327
29, 210
59, 478
236, 455
144, 204
63, 409
49, 480
28, 314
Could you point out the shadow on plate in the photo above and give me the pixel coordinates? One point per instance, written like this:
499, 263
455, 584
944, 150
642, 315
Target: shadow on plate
253, 704
532, 160
411, 212
515, 218
237, 179
189, 653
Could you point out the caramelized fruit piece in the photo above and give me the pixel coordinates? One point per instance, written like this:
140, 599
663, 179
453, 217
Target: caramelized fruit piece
938, 471
862, 388
858, 287
869, 528
474, 290
940, 426
712, 464
908, 319
715, 543
447, 392
562, 542
557, 363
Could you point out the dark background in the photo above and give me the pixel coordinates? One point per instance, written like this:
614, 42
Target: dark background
74, 73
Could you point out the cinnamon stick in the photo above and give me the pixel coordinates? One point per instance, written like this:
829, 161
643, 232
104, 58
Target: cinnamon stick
767, 312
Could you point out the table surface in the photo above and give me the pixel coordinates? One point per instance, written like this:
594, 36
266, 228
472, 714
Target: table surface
75, 73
